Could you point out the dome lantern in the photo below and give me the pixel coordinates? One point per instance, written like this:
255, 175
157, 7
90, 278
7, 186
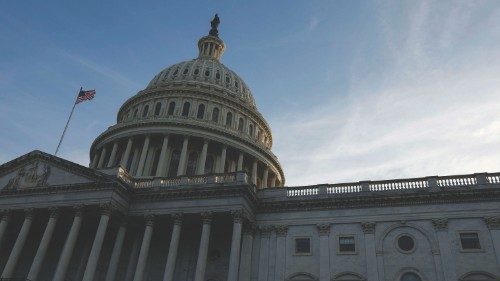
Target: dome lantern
211, 46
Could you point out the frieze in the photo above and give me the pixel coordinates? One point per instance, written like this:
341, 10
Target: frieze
440, 224
34, 175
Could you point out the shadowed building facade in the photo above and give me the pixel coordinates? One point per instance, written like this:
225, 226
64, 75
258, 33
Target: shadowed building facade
185, 187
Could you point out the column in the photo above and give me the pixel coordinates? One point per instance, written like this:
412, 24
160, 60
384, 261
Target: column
44, 245
240, 162
281, 232
126, 154
142, 159
93, 165
493, 224
144, 252
134, 255
441, 228
69, 246
101, 158
273, 181
97, 245
246, 253
324, 252
174, 246
265, 233
234, 256
370, 253
4, 223
181, 170
203, 158
9, 268
201, 263
162, 164
272, 254
254, 172
112, 157
222, 163
265, 177
117, 251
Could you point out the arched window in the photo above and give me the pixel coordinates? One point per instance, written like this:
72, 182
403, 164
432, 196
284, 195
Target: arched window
250, 130
171, 108
209, 165
186, 70
191, 165
229, 119
174, 163
258, 134
154, 167
215, 114
136, 111
185, 109
477, 276
196, 71
157, 109
240, 124
145, 111
410, 276
201, 111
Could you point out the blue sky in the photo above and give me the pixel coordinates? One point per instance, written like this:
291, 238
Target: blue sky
353, 90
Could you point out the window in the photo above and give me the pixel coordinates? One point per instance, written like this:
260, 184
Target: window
215, 114
136, 111
171, 108
185, 71
240, 125
176, 71
347, 244
145, 111
209, 165
185, 109
250, 129
191, 165
207, 72
470, 241
196, 71
302, 246
229, 119
228, 80
201, 111
217, 75
410, 276
157, 109
236, 84
406, 243
174, 163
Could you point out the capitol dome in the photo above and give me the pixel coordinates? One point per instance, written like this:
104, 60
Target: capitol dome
194, 118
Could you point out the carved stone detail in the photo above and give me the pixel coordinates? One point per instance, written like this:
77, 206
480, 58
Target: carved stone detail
79, 209
53, 212
237, 216
106, 209
440, 224
33, 177
492, 222
206, 217
281, 230
5, 215
249, 228
29, 213
150, 220
368, 227
265, 230
177, 218
323, 229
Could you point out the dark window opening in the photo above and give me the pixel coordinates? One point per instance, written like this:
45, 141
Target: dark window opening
185, 109
406, 243
302, 245
201, 111
470, 241
171, 108
145, 111
157, 109
347, 244
215, 114
229, 119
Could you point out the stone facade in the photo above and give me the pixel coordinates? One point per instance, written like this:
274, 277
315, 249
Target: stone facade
139, 213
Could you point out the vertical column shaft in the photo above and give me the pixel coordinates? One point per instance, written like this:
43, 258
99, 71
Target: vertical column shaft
222, 163
15, 254
95, 159
254, 172
69, 245
101, 158
246, 254
203, 158
44, 245
273, 181
240, 162
265, 177
201, 263
181, 170
324, 252
126, 154
493, 224
370, 252
162, 165
112, 157
144, 252
172, 251
142, 159
4, 222
234, 256
97, 245
117, 251
448, 267
281, 232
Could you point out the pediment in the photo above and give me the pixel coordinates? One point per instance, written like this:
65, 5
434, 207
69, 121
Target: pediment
38, 169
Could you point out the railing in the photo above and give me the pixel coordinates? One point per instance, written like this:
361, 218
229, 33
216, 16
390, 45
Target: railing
150, 182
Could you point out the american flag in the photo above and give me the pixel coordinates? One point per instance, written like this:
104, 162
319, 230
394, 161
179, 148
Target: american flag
85, 95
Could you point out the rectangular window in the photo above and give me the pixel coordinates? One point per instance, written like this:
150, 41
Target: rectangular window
470, 241
347, 244
302, 246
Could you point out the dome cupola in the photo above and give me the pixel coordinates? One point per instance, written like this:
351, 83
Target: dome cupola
211, 46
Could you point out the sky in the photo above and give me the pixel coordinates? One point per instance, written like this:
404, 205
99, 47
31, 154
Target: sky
352, 90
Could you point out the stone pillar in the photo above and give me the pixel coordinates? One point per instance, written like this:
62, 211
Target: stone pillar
69, 246
324, 252
174, 246
142, 159
254, 172
234, 256
201, 263
273, 181
15, 254
126, 154
265, 233
162, 164
112, 156
265, 177
281, 232
144, 252
101, 158
246, 253
134, 255
44, 245
493, 224
370, 253
272, 254
4, 222
117, 251
222, 163
95, 159
448, 271
240, 162
203, 158
97, 245
181, 170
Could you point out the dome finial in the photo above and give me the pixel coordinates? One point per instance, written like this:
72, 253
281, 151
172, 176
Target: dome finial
214, 24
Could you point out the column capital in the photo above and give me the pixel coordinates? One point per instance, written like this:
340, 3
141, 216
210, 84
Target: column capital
206, 141
237, 215
5, 214
79, 209
150, 220
53, 212
368, 227
440, 223
29, 213
323, 229
265, 230
492, 222
206, 217
106, 209
281, 230
177, 218
249, 228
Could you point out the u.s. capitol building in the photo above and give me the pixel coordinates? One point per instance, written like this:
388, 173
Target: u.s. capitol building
185, 187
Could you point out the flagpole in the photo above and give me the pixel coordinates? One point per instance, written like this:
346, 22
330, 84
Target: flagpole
67, 123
